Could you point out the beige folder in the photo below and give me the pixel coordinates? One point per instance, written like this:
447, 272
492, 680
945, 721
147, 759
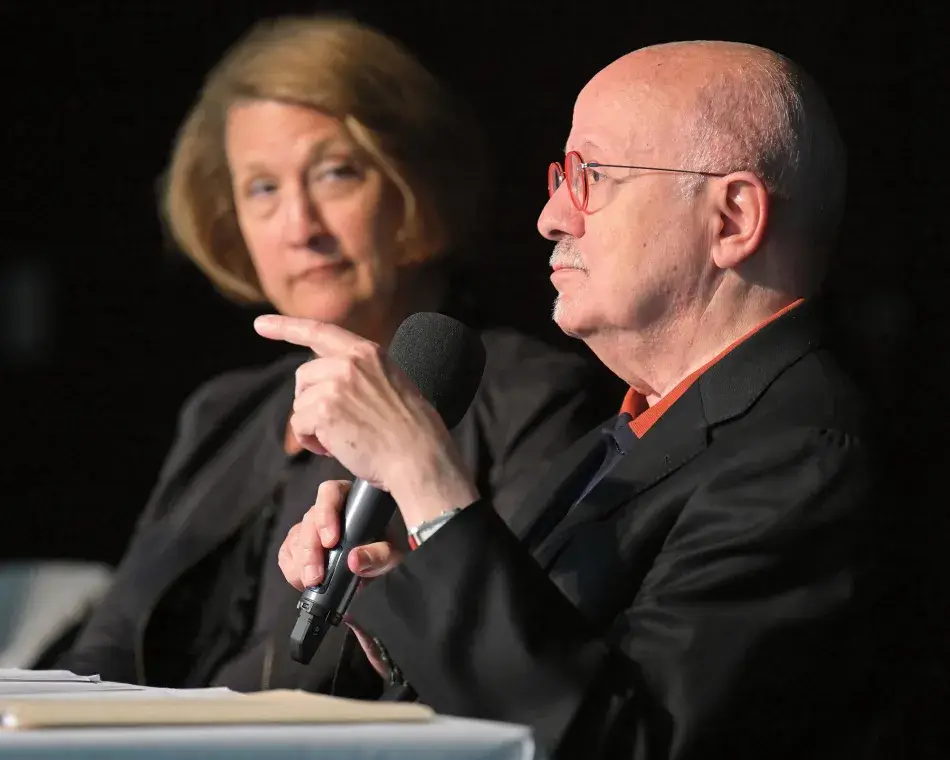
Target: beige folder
279, 706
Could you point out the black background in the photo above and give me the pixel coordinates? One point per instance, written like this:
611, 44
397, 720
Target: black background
124, 328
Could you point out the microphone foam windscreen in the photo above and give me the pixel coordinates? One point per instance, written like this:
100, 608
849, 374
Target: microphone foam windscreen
444, 358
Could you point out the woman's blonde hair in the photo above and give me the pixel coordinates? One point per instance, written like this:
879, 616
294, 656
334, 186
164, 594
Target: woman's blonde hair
390, 105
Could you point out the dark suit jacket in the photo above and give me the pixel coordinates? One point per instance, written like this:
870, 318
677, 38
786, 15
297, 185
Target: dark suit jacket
709, 598
168, 607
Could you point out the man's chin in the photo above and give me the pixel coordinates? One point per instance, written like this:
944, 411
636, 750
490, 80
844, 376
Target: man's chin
566, 319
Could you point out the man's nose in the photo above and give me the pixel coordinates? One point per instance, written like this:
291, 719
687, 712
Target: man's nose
560, 217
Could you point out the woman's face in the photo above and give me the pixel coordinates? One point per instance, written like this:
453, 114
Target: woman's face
319, 221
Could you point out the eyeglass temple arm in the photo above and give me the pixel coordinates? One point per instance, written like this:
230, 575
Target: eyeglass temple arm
595, 164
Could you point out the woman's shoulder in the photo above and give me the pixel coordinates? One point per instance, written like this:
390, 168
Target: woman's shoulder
511, 353
226, 392
527, 375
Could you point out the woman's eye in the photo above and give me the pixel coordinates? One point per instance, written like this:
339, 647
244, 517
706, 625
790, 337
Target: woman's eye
335, 172
261, 187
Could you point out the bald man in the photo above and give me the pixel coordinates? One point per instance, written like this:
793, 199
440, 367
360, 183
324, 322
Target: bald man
695, 579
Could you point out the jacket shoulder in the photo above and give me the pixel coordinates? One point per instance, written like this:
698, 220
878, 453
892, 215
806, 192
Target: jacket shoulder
510, 353
816, 392
216, 398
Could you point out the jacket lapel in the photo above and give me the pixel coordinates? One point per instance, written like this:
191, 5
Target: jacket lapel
251, 481
562, 482
198, 525
732, 385
727, 389
676, 438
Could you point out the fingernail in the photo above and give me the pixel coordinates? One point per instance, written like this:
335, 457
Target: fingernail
265, 321
363, 561
326, 536
311, 575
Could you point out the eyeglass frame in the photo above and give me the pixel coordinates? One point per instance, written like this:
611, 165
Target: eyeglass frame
555, 166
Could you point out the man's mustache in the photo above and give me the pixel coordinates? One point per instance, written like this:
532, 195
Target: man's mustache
565, 254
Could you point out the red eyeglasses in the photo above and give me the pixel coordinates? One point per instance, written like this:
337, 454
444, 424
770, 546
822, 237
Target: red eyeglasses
575, 170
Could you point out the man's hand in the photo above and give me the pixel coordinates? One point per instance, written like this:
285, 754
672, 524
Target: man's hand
353, 403
302, 555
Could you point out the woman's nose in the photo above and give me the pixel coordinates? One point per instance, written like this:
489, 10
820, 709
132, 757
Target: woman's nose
302, 221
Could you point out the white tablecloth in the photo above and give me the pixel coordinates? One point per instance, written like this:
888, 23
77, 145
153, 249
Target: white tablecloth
450, 738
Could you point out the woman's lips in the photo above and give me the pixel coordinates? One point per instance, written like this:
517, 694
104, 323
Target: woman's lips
321, 270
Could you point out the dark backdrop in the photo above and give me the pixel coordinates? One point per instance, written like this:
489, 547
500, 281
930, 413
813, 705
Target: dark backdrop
105, 332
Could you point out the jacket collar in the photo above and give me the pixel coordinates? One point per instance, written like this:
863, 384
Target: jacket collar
732, 385
724, 391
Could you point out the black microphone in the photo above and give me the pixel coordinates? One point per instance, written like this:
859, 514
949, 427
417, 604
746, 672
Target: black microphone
445, 359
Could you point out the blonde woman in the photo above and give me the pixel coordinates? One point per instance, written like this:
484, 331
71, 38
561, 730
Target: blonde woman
325, 172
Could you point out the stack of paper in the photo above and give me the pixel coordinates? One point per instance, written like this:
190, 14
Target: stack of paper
269, 707
61, 684
14, 682
57, 698
16, 675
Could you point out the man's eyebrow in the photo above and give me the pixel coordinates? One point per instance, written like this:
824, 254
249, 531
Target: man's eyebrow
586, 143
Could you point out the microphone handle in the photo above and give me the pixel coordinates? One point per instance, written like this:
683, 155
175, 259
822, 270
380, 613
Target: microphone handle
367, 513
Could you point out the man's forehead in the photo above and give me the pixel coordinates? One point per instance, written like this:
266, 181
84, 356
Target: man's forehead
604, 119
618, 109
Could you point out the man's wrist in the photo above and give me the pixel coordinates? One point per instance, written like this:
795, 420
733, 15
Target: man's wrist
423, 493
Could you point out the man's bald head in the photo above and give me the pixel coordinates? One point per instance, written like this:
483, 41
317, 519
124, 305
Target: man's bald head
654, 266
737, 107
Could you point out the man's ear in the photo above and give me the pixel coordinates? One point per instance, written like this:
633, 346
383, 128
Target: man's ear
742, 204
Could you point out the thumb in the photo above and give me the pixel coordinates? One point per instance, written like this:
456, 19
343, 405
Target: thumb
373, 560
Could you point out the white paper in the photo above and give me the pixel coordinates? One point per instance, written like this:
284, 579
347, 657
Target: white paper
37, 676
48, 684
60, 688
111, 690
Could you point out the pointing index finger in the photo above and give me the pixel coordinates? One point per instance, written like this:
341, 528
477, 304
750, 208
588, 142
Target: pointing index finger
323, 338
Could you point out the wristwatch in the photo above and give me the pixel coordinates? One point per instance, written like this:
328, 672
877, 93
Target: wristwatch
424, 531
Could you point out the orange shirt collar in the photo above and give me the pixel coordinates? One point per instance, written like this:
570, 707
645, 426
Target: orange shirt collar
644, 416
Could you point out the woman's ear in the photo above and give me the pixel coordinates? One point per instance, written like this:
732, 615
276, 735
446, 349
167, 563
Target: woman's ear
418, 244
